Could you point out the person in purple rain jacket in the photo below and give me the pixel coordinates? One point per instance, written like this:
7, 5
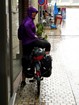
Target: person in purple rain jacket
27, 34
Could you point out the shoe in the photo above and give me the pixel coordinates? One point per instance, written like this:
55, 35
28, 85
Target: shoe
23, 83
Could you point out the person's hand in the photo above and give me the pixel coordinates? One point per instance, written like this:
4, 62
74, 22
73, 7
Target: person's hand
36, 36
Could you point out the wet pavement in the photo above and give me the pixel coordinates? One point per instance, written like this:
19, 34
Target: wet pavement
62, 87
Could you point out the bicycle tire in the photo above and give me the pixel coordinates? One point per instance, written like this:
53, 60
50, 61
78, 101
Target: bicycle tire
38, 88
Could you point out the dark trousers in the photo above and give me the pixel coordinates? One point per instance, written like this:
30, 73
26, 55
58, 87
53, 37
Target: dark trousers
38, 43
27, 49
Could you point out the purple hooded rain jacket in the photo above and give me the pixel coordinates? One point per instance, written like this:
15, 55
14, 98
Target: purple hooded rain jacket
28, 29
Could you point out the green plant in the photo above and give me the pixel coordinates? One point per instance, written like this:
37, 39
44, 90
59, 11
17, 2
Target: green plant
40, 31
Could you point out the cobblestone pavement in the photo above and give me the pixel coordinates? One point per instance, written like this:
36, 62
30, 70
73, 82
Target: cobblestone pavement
62, 87
55, 90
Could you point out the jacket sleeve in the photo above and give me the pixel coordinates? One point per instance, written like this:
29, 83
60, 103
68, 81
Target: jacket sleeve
30, 33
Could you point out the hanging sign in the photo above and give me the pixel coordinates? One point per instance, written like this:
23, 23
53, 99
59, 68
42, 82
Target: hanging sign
41, 2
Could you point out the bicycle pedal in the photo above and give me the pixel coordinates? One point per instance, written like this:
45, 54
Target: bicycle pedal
41, 79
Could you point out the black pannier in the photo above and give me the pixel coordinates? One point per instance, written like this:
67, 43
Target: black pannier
28, 67
46, 66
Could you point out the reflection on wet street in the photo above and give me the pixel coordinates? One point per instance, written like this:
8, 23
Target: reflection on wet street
62, 87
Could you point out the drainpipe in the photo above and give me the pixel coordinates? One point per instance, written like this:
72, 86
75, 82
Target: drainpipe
10, 41
23, 5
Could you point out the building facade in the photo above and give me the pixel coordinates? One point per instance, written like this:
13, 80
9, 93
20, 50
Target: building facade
11, 14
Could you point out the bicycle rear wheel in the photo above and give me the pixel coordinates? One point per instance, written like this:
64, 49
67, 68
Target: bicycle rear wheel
38, 76
38, 87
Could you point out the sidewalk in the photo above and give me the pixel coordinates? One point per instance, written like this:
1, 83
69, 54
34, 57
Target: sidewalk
62, 88
55, 90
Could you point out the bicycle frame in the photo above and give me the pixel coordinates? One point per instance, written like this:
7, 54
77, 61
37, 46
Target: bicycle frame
38, 55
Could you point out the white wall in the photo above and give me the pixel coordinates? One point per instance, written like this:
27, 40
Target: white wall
35, 4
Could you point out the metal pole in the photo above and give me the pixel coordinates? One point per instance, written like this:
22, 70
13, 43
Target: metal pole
11, 53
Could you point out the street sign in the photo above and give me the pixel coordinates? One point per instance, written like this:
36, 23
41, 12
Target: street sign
41, 2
